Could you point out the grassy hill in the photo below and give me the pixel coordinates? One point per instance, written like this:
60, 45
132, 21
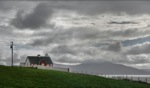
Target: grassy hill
18, 77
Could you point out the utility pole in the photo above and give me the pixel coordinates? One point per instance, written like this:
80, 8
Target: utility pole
11, 46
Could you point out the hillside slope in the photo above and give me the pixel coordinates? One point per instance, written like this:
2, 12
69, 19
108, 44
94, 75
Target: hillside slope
18, 77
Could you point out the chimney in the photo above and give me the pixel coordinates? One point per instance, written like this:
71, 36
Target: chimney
38, 55
46, 55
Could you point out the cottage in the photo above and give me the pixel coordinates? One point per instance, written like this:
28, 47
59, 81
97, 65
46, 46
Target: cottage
35, 61
41, 62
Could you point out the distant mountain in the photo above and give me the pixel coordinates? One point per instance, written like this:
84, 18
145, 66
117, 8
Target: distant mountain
147, 70
107, 68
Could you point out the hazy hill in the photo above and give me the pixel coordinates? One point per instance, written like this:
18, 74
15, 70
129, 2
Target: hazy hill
18, 77
108, 68
147, 70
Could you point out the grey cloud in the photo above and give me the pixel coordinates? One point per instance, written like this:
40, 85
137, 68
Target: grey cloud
63, 49
83, 43
7, 60
138, 49
7, 34
67, 59
120, 58
138, 59
98, 7
82, 34
39, 42
73, 53
133, 59
109, 35
86, 33
5, 30
64, 36
43, 11
130, 33
35, 19
100, 54
116, 47
4, 6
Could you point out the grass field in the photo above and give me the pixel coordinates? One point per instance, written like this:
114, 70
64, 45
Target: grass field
18, 77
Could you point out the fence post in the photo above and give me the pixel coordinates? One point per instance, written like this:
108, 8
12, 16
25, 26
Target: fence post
138, 79
146, 80
126, 77
131, 78
118, 77
102, 75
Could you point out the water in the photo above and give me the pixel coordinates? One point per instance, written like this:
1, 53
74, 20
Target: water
143, 78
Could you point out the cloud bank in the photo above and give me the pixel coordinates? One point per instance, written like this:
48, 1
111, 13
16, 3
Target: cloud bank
78, 31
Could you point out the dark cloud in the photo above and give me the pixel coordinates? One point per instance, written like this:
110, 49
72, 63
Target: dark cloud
122, 22
63, 49
4, 6
81, 44
98, 7
115, 47
8, 5
64, 36
82, 34
39, 42
43, 11
33, 20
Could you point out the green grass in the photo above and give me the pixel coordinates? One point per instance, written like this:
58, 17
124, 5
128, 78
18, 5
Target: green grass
18, 77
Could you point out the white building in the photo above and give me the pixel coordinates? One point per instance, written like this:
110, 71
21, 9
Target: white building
41, 62
35, 61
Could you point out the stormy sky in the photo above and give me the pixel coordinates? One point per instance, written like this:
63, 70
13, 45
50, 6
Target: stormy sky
73, 32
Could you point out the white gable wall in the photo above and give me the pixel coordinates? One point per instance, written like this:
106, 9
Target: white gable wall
27, 64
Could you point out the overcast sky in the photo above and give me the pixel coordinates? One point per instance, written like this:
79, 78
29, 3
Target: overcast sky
76, 31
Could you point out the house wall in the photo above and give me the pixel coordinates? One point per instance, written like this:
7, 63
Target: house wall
35, 65
53, 68
22, 64
60, 69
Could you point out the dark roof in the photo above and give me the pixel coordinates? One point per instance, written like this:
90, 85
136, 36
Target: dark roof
36, 59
